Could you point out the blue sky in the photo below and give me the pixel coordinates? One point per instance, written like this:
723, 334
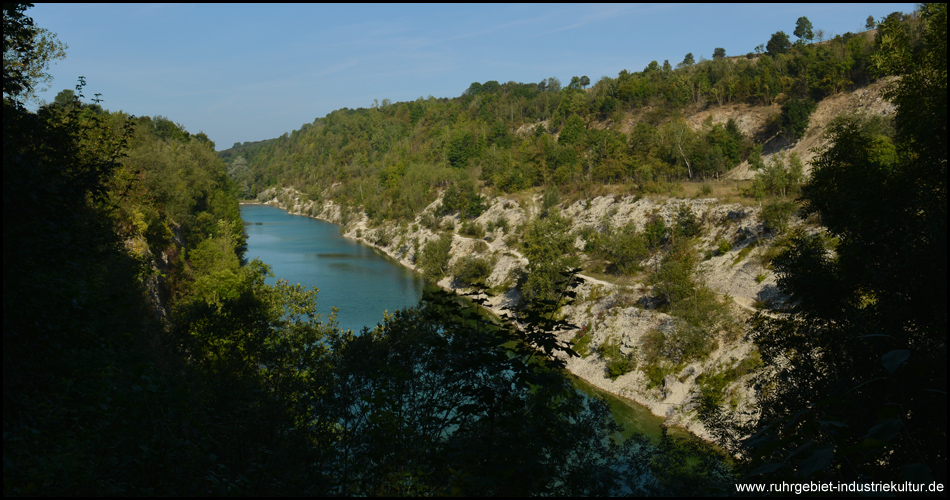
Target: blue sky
249, 72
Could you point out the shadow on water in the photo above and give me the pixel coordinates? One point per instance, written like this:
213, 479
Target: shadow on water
364, 282
633, 417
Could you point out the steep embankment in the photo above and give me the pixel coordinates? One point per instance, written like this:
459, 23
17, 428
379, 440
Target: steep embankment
621, 311
609, 311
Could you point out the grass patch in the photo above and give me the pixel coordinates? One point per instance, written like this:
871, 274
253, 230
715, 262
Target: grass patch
657, 372
581, 342
743, 254
618, 363
713, 384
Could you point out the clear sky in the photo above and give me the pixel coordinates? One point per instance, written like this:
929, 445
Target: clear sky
248, 72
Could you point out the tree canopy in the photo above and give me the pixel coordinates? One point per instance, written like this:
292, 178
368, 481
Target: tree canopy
857, 385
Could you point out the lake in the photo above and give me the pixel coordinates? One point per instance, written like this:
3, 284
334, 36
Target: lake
361, 281
364, 283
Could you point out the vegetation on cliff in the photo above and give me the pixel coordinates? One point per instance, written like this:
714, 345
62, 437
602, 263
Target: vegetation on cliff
143, 355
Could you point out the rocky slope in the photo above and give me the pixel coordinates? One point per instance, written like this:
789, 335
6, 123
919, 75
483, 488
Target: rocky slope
611, 310
618, 310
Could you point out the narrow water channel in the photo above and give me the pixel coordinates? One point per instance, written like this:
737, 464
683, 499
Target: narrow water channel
363, 283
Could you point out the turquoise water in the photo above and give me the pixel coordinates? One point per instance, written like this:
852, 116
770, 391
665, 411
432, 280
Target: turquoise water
362, 282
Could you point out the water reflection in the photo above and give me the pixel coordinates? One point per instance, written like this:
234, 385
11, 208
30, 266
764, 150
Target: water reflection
359, 281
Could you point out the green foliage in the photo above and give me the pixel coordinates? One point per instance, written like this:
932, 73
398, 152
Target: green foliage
778, 44
795, 116
28, 51
776, 215
626, 249
472, 270
434, 260
549, 248
581, 342
617, 362
462, 198
700, 315
392, 161
723, 247
746, 250
686, 224
803, 29
713, 383
862, 361
673, 281
472, 229
780, 178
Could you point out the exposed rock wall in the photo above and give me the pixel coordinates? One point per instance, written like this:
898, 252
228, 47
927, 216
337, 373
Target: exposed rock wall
610, 310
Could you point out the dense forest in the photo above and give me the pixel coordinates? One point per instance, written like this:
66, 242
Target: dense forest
143, 354
391, 159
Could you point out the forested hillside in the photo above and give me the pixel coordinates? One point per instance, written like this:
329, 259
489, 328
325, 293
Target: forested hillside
630, 129
505, 162
143, 354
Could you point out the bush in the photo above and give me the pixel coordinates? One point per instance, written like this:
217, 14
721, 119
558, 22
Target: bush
434, 259
429, 221
549, 248
776, 215
673, 281
625, 249
472, 270
795, 116
618, 363
462, 198
502, 223
685, 222
472, 229
723, 247
582, 340
652, 345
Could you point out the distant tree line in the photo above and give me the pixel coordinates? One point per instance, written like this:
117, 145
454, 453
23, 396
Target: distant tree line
392, 160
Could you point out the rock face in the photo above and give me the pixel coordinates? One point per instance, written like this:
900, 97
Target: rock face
619, 312
612, 312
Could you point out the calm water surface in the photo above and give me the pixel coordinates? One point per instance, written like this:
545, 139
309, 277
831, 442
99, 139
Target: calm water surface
363, 283
360, 281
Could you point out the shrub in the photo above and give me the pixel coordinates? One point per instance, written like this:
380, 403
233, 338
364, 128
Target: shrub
472, 229
434, 259
462, 198
382, 237
550, 199
685, 222
723, 247
626, 249
502, 223
652, 345
776, 215
618, 363
689, 343
429, 221
673, 281
472, 270
549, 248
795, 116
